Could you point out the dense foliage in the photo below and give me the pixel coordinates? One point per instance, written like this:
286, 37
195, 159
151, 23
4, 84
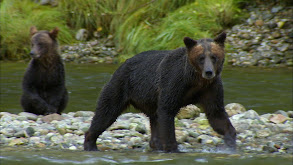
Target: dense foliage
136, 25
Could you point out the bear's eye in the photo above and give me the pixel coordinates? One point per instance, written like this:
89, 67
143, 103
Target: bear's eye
201, 59
214, 58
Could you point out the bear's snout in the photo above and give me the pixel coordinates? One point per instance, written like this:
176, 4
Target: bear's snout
208, 74
33, 54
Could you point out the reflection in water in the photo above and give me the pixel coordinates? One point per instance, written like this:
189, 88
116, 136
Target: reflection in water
264, 90
24, 156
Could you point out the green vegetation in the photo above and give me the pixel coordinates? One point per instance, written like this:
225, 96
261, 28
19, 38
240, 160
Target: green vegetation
198, 19
16, 19
136, 25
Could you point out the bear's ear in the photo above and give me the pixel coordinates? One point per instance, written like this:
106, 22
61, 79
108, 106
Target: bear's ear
220, 39
53, 34
189, 43
33, 30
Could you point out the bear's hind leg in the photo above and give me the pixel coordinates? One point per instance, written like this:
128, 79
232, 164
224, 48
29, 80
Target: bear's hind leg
106, 114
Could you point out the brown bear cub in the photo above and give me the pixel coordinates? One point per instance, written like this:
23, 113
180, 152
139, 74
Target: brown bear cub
159, 83
43, 85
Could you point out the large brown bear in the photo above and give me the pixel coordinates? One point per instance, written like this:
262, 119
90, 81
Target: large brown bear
159, 83
43, 85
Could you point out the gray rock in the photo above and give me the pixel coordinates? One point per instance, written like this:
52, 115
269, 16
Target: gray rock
135, 142
118, 126
29, 116
284, 47
263, 133
29, 131
56, 139
290, 114
84, 127
234, 108
193, 134
188, 112
141, 128
205, 139
51, 117
181, 136
84, 114
81, 35
282, 113
269, 149
8, 132
45, 2
251, 114
19, 134
276, 9
21, 118
34, 140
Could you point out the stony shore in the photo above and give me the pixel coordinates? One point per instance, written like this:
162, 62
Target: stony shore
264, 39
267, 133
99, 50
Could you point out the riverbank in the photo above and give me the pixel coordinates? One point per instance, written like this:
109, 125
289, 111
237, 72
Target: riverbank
264, 39
267, 133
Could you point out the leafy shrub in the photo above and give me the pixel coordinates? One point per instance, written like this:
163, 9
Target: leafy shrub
197, 20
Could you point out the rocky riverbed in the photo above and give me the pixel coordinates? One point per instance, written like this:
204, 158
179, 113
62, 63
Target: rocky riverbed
264, 39
267, 133
100, 50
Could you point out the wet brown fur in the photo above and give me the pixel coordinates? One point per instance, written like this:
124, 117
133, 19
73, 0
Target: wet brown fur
48, 52
43, 85
159, 83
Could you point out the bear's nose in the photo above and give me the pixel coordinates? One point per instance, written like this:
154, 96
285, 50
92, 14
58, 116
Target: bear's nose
209, 73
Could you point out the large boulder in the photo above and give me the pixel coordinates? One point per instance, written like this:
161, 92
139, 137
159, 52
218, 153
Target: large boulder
188, 112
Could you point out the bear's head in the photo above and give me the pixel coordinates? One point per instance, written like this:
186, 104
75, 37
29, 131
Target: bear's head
206, 55
43, 43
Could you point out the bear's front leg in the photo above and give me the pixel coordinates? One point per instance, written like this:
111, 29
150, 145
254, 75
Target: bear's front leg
167, 133
213, 103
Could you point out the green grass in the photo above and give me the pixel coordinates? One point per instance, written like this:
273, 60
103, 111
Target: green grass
16, 18
199, 19
137, 25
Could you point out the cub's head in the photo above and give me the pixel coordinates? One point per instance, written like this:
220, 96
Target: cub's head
43, 43
206, 55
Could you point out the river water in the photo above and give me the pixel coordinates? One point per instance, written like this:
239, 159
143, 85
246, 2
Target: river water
49, 157
264, 90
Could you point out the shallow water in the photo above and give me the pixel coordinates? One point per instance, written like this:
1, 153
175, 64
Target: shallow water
264, 90
19, 155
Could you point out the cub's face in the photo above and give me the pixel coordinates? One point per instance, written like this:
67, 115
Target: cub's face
42, 42
206, 55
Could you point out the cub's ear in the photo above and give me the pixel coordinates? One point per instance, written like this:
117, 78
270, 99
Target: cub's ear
220, 39
33, 30
189, 43
53, 34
